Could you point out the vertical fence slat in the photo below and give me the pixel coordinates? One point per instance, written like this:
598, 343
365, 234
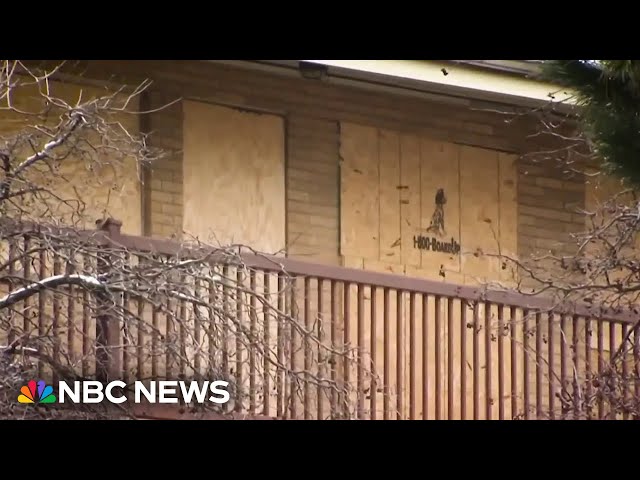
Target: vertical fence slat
126, 342
425, 357
26, 265
141, 336
126, 329
587, 364
42, 298
266, 363
576, 366
224, 321
239, 350
154, 342
487, 360
636, 363
476, 365
169, 337
334, 344
450, 354
612, 349
56, 318
347, 336
399, 354
563, 363
198, 285
539, 365
550, 365
387, 359
307, 347
215, 344
280, 384
253, 319
320, 356
182, 319
525, 366
412, 356
625, 371
463, 359
514, 360
374, 354
438, 354
601, 364
11, 284
501, 362
360, 350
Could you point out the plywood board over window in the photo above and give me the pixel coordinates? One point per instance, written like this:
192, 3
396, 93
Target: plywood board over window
234, 177
429, 208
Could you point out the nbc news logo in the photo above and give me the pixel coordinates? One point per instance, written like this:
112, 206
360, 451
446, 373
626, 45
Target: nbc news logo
37, 392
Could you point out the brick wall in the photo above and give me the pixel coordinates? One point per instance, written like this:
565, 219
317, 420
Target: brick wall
313, 110
165, 187
312, 188
547, 204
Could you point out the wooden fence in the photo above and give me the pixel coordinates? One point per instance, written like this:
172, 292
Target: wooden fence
303, 340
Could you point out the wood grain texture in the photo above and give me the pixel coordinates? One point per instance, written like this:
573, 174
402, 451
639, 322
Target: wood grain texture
390, 192
479, 211
234, 189
410, 197
359, 191
389, 184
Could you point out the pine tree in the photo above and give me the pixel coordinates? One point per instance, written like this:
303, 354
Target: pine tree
607, 93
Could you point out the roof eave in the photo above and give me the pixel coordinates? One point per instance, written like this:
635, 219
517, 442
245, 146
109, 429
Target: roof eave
521, 68
456, 79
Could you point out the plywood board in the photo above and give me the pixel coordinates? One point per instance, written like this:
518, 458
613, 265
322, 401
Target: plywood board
360, 221
439, 172
234, 177
424, 167
410, 198
508, 213
390, 192
479, 210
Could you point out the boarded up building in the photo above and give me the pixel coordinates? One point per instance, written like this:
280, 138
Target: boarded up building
385, 166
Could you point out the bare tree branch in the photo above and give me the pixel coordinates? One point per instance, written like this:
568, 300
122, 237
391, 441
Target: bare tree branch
73, 299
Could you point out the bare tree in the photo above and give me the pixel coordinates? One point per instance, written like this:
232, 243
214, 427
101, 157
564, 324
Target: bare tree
591, 282
81, 303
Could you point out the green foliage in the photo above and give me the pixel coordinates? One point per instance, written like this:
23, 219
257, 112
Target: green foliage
608, 94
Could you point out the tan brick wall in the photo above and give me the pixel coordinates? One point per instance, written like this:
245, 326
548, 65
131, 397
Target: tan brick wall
314, 110
166, 175
312, 188
547, 202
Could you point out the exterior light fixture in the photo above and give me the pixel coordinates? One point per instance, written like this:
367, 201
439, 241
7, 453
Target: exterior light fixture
312, 71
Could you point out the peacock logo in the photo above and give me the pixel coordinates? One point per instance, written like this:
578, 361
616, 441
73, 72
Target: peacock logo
38, 392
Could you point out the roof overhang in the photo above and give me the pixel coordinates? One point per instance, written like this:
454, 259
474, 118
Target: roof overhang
502, 81
466, 78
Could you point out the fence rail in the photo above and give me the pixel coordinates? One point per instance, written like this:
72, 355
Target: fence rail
300, 340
